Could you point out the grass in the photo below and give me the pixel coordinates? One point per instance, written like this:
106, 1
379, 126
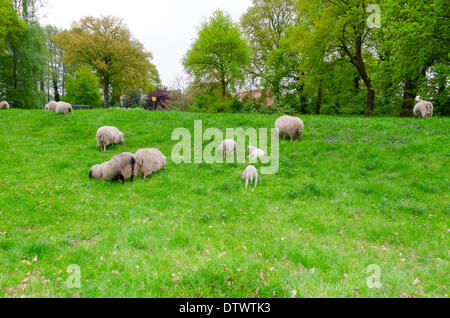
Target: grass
354, 192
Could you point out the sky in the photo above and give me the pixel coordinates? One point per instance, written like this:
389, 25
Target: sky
167, 28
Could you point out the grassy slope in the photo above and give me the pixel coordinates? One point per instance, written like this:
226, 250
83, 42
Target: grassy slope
353, 192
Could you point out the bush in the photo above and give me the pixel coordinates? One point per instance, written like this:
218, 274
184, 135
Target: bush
162, 99
82, 88
133, 100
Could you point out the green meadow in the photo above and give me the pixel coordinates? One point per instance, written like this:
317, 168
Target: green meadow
354, 194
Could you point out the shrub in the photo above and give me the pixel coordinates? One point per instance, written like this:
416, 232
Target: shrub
133, 100
82, 88
162, 99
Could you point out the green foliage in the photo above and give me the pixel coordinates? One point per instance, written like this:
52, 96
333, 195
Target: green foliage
133, 100
219, 54
83, 88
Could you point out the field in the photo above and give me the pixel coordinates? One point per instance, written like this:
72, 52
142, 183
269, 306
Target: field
353, 192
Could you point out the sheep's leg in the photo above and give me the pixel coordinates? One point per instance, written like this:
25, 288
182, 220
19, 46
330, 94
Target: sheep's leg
256, 182
292, 137
246, 183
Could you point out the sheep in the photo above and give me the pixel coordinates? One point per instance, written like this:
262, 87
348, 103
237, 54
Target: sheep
4, 105
250, 174
51, 107
149, 161
255, 152
109, 135
290, 126
63, 108
229, 146
424, 109
120, 167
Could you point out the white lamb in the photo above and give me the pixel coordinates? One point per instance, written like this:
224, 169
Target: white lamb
255, 152
229, 146
250, 174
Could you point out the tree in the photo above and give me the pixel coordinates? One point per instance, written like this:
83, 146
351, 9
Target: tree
106, 45
414, 40
340, 26
265, 24
56, 72
82, 88
11, 27
219, 54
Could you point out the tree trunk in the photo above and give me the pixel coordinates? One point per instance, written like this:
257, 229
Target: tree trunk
224, 89
106, 93
370, 101
409, 96
319, 101
55, 87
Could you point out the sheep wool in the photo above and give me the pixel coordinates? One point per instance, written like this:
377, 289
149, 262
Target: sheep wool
250, 174
255, 152
149, 161
424, 109
4, 105
63, 108
51, 107
119, 168
290, 126
229, 146
108, 135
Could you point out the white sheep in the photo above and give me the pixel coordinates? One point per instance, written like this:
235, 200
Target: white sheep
149, 161
290, 126
108, 135
229, 146
424, 109
51, 107
4, 105
255, 152
250, 174
120, 167
63, 108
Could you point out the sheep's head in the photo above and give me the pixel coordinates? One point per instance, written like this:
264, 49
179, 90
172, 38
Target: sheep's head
250, 149
96, 172
122, 137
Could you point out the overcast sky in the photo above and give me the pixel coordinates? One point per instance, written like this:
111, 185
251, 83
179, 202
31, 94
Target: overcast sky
166, 27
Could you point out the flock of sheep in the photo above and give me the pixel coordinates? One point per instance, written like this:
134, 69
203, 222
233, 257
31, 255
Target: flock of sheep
148, 161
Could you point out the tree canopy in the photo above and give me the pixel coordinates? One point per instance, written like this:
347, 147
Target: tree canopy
219, 54
106, 45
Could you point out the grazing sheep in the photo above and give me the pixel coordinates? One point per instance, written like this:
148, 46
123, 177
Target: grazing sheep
120, 167
250, 174
4, 105
149, 161
290, 126
108, 135
51, 107
63, 108
255, 152
229, 146
424, 109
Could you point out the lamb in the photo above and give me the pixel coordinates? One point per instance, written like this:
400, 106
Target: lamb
424, 109
290, 126
255, 152
250, 174
229, 146
51, 107
108, 135
120, 167
149, 161
63, 108
4, 105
